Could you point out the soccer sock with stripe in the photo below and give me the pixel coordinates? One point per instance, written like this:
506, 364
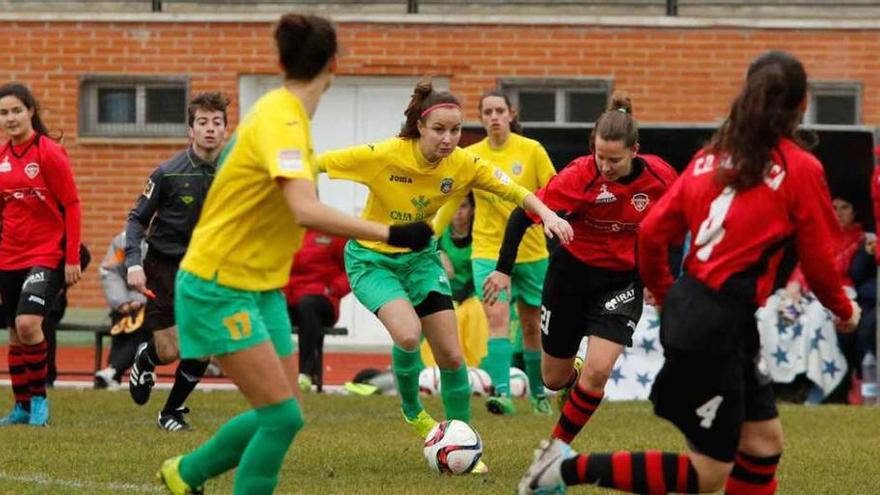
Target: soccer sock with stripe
35, 363
221, 452
18, 376
187, 376
532, 359
636, 472
497, 364
455, 389
752, 475
257, 472
578, 409
406, 366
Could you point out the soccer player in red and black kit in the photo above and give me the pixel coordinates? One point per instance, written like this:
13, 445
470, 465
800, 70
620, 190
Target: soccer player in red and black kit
592, 287
39, 244
754, 202
166, 215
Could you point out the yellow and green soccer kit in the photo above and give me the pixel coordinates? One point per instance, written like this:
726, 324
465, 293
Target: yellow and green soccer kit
227, 295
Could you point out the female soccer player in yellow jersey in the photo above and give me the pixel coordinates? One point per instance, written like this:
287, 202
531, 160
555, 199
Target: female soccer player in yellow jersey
410, 177
527, 163
227, 297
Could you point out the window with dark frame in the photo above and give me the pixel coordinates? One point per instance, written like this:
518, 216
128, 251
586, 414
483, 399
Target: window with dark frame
126, 106
558, 101
834, 103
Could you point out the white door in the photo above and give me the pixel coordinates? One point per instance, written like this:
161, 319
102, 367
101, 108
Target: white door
354, 110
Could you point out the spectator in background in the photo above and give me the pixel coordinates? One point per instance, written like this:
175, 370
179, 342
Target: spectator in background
863, 273
125, 303
455, 254
317, 283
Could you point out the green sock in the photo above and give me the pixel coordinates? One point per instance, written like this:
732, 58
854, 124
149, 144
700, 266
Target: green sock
497, 364
261, 461
406, 366
221, 452
532, 358
455, 388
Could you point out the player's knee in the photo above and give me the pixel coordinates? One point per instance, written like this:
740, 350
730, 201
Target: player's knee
595, 378
711, 481
287, 418
29, 328
555, 379
408, 342
449, 361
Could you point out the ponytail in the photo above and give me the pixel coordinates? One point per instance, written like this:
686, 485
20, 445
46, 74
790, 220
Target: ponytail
420, 105
617, 122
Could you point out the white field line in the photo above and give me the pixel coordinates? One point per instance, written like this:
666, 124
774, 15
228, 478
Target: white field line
43, 480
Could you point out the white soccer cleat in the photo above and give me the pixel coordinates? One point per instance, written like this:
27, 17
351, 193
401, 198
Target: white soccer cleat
544, 476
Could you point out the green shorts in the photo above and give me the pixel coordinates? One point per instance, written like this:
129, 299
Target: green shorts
213, 319
378, 278
526, 281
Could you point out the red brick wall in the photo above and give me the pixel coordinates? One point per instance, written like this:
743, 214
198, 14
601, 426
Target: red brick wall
673, 74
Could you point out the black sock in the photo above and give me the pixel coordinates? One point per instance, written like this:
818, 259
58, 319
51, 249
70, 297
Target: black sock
149, 359
187, 376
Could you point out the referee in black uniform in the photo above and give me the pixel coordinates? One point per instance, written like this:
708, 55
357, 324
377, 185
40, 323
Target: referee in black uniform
166, 214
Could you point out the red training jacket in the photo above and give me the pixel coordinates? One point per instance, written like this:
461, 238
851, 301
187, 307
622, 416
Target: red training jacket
605, 215
745, 242
41, 217
319, 269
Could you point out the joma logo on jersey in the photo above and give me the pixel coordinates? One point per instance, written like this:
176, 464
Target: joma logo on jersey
622, 298
400, 178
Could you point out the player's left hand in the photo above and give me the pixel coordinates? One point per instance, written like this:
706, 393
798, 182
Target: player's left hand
559, 228
72, 274
495, 283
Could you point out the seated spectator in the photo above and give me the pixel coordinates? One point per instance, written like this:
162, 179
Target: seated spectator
317, 283
863, 273
126, 314
455, 253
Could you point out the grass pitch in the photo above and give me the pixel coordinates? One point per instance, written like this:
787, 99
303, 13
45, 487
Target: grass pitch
101, 443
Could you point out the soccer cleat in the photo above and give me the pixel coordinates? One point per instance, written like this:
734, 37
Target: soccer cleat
169, 475
480, 468
174, 421
544, 476
106, 379
541, 405
18, 416
562, 396
39, 411
499, 404
305, 383
140, 381
423, 423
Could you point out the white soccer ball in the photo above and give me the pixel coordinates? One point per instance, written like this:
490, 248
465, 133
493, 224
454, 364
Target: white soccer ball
429, 381
481, 383
453, 447
519, 383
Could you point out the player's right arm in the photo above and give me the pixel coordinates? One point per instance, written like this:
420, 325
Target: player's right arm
139, 219
814, 223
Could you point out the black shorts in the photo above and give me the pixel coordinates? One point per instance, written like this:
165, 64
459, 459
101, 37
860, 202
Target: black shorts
30, 291
160, 271
709, 387
579, 300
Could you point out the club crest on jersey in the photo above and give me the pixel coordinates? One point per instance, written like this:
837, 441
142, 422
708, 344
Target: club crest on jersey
5, 166
446, 185
605, 196
640, 201
516, 168
32, 170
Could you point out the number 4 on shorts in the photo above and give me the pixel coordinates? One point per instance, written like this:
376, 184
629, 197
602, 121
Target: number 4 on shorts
707, 411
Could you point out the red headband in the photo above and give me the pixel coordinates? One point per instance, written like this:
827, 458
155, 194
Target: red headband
439, 105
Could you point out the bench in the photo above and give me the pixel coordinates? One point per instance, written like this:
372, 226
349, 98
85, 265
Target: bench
101, 330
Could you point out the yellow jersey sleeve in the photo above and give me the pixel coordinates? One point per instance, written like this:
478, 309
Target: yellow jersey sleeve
490, 178
358, 163
282, 147
444, 215
543, 166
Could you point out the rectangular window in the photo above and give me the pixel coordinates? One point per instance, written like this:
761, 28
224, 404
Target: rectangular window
133, 106
558, 101
835, 103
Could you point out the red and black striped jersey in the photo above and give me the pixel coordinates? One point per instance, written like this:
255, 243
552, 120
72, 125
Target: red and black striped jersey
605, 215
745, 243
39, 206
